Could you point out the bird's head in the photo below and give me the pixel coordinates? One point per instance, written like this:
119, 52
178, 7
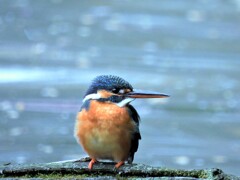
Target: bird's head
109, 88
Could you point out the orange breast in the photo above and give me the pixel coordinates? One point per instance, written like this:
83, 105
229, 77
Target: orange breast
105, 131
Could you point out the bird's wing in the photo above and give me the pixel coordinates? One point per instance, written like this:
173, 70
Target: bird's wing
136, 134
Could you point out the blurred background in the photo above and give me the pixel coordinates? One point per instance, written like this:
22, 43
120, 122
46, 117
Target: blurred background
51, 50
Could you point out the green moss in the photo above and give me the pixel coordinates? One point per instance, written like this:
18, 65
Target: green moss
181, 173
67, 176
50, 176
166, 172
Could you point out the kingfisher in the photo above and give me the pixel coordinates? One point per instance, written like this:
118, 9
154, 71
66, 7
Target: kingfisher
107, 126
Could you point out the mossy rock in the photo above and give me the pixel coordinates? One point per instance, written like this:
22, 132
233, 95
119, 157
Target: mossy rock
73, 169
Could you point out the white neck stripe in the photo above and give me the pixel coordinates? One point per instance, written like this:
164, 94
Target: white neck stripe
98, 96
91, 96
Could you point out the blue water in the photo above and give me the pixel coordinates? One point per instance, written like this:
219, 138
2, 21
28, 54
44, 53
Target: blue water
51, 50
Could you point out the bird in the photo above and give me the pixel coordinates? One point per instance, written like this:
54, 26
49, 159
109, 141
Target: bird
107, 125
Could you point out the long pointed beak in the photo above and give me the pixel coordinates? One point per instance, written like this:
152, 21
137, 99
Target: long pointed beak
137, 93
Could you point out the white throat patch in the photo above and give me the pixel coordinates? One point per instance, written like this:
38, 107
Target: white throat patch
125, 102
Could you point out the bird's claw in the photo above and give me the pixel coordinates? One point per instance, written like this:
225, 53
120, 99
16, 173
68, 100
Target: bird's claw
118, 165
90, 165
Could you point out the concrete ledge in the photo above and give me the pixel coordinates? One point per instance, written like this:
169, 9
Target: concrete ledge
77, 169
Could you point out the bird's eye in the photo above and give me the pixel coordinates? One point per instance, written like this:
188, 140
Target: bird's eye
115, 90
118, 91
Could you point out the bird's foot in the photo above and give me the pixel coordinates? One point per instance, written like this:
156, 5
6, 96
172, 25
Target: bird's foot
119, 164
90, 165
